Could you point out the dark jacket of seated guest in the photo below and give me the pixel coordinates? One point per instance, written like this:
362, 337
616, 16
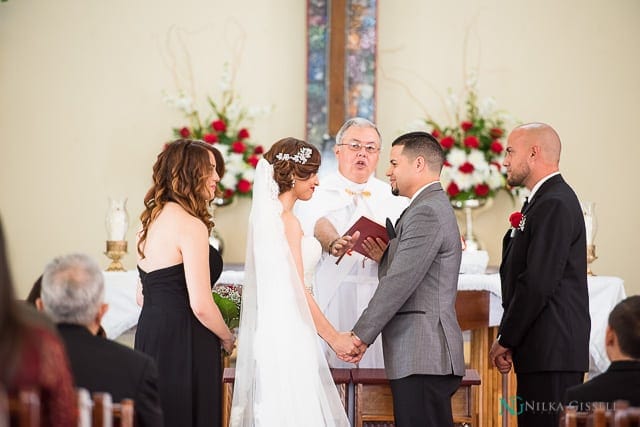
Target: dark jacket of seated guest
620, 381
622, 342
99, 364
72, 294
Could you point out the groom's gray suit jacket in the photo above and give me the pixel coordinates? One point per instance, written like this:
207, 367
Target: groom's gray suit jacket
414, 305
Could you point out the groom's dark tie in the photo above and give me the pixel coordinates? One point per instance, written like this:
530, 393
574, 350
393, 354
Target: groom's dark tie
525, 204
391, 231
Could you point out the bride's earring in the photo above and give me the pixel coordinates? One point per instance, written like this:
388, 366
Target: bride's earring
293, 183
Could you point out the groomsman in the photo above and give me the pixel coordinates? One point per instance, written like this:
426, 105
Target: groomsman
414, 304
545, 327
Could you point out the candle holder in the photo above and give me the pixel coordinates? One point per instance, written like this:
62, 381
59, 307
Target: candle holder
116, 249
467, 207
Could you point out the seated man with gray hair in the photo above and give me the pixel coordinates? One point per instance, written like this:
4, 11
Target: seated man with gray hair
73, 295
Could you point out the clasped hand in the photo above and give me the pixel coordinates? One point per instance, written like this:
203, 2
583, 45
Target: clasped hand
501, 357
348, 347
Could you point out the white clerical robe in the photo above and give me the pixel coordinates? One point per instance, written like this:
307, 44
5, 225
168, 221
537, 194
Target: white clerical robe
343, 291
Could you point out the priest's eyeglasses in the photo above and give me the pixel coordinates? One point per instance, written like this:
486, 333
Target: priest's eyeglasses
356, 146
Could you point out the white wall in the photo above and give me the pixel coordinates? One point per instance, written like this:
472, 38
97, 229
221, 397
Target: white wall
82, 116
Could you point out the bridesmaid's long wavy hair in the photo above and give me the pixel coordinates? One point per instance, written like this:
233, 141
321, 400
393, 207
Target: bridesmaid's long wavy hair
180, 175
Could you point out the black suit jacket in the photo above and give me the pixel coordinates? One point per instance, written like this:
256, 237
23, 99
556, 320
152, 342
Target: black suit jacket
102, 365
620, 381
546, 318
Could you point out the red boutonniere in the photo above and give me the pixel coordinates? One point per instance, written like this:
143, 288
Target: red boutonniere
517, 220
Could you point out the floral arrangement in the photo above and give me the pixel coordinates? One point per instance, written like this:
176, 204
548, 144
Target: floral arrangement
228, 298
226, 127
474, 148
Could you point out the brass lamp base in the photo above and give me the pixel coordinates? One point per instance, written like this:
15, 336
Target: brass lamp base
591, 256
116, 249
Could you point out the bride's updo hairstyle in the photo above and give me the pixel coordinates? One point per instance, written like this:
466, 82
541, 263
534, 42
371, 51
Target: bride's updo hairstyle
180, 175
292, 159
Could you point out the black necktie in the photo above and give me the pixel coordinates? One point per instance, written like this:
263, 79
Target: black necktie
525, 204
391, 231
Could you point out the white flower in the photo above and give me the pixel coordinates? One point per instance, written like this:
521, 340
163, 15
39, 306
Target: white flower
456, 157
229, 180
486, 107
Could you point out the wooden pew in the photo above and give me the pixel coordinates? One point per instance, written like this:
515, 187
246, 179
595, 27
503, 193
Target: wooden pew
123, 413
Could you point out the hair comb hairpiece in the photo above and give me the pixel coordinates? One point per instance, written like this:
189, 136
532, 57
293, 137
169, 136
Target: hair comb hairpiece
301, 156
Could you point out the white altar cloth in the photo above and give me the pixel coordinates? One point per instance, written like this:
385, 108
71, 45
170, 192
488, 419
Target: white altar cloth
604, 293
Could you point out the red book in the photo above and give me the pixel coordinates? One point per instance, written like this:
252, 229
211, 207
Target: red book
367, 228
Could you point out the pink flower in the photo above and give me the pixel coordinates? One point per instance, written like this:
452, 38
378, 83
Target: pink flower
219, 125
471, 142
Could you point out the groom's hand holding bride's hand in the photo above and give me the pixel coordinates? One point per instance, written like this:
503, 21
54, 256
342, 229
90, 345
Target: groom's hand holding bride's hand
346, 348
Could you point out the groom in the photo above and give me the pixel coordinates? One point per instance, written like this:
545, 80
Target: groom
414, 304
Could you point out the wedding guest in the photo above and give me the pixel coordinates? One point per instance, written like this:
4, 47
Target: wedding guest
180, 326
32, 355
34, 296
344, 290
621, 381
544, 332
73, 296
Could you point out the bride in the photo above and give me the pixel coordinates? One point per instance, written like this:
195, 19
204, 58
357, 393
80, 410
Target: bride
282, 377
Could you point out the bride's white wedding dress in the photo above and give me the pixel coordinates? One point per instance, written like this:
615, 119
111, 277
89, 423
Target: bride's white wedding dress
282, 377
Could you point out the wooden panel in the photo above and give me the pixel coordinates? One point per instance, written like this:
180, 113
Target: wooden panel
337, 43
472, 309
374, 402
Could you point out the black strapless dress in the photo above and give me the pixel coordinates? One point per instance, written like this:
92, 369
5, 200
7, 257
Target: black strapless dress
188, 354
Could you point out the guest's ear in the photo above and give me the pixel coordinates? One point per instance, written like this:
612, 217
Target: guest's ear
39, 304
610, 338
101, 312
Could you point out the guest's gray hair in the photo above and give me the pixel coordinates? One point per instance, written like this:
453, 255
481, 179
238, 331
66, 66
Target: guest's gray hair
72, 289
357, 122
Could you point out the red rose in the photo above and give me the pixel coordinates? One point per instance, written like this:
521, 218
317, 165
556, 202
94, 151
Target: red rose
496, 132
243, 133
185, 132
228, 193
481, 190
446, 163
471, 142
238, 147
435, 133
244, 186
447, 142
466, 167
496, 146
253, 161
210, 138
453, 190
219, 125
466, 125
515, 219
258, 150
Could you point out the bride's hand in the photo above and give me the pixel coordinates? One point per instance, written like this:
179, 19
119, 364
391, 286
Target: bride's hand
343, 345
342, 244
